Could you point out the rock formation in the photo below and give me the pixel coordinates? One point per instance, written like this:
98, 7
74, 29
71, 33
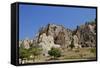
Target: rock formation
58, 36
76, 42
86, 35
46, 42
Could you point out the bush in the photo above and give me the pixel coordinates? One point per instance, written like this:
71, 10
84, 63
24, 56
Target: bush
35, 51
24, 54
93, 50
55, 52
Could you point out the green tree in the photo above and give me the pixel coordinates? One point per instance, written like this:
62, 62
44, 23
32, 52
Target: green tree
55, 52
23, 54
35, 52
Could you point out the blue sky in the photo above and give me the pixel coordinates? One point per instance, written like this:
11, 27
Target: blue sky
32, 17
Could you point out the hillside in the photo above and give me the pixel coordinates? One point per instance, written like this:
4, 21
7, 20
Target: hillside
80, 40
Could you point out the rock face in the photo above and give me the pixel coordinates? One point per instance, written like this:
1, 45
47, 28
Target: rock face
60, 37
46, 42
76, 42
86, 35
25, 43
54, 36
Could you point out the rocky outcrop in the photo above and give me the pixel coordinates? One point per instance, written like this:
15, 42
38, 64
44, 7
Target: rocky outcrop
46, 43
58, 36
76, 42
26, 43
86, 35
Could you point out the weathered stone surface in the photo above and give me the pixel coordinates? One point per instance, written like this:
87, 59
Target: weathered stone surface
76, 42
47, 42
86, 35
61, 35
26, 44
58, 36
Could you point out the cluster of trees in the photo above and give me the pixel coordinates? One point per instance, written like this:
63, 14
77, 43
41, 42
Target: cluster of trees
34, 52
29, 54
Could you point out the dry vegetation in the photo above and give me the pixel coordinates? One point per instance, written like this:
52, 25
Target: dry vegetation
73, 54
80, 53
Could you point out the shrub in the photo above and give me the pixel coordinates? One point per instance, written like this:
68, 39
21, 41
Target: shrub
55, 52
35, 51
93, 50
23, 54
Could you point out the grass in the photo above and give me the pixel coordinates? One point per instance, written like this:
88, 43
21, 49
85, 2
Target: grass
71, 55
80, 53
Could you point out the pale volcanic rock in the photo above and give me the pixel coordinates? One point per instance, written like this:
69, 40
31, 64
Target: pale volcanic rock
47, 42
